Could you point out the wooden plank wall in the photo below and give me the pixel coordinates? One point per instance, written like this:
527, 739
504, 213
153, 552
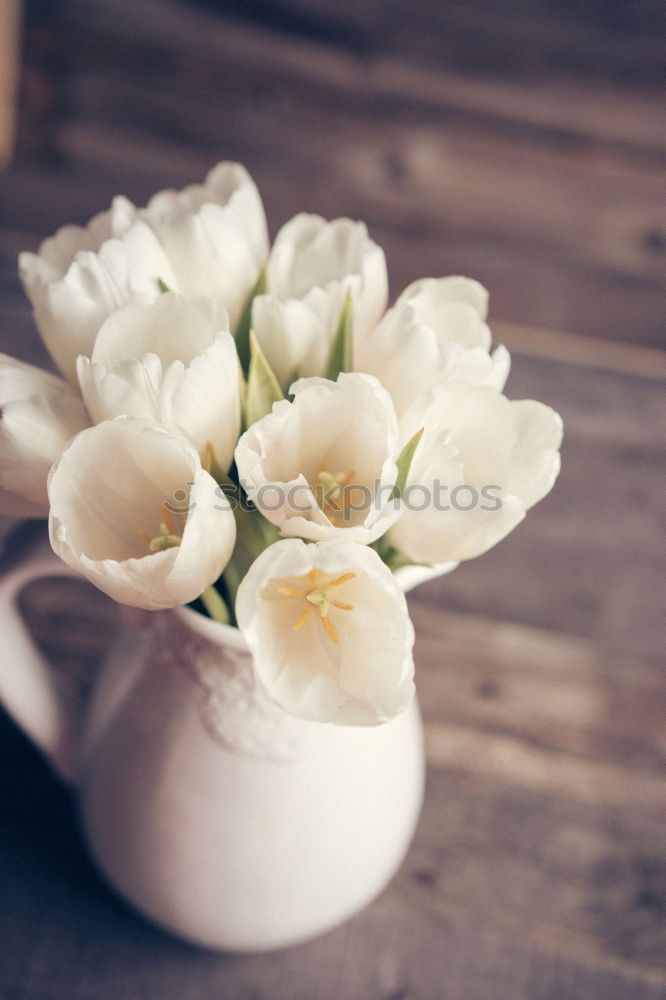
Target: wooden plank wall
9, 75
520, 142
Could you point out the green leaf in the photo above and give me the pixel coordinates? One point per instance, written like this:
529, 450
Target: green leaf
253, 534
294, 376
395, 560
242, 383
340, 358
391, 556
404, 464
263, 389
245, 321
162, 285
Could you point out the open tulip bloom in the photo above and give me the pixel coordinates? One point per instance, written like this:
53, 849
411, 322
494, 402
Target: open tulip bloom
248, 428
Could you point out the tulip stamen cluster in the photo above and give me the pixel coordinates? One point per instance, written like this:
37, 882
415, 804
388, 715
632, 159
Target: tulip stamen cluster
168, 537
330, 491
320, 598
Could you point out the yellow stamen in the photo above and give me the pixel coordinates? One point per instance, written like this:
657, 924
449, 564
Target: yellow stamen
167, 538
347, 499
168, 520
341, 579
330, 631
302, 620
330, 490
319, 597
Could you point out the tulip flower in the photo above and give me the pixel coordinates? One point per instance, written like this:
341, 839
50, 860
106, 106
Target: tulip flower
329, 631
312, 267
455, 308
133, 510
209, 239
435, 332
173, 362
39, 413
482, 462
81, 275
323, 466
214, 235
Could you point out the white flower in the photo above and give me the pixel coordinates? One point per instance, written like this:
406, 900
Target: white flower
39, 413
209, 239
214, 235
481, 463
329, 631
435, 332
173, 362
324, 466
454, 307
80, 276
133, 511
312, 266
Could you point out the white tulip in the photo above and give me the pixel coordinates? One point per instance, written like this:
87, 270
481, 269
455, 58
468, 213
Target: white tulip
173, 362
408, 357
329, 631
214, 235
311, 268
481, 463
39, 413
208, 239
296, 336
80, 276
455, 308
133, 511
323, 466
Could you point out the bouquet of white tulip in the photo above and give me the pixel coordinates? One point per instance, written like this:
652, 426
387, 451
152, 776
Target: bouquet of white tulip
218, 394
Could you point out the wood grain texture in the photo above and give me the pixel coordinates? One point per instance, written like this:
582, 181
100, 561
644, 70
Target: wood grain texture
520, 142
544, 180
10, 18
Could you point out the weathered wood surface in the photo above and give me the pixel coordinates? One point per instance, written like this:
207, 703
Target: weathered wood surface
538, 871
10, 14
499, 152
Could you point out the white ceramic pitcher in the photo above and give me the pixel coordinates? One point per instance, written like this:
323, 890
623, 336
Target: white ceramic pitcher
215, 813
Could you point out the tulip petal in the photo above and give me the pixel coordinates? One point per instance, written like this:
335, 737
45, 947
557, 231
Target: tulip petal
168, 361
536, 455
423, 341
39, 413
214, 235
292, 335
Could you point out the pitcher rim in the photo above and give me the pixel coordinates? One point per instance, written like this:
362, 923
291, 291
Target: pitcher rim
230, 635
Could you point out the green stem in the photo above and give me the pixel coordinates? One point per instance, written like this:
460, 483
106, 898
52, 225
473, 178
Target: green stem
215, 606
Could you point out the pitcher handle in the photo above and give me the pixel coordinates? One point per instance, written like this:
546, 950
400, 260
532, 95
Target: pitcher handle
29, 689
